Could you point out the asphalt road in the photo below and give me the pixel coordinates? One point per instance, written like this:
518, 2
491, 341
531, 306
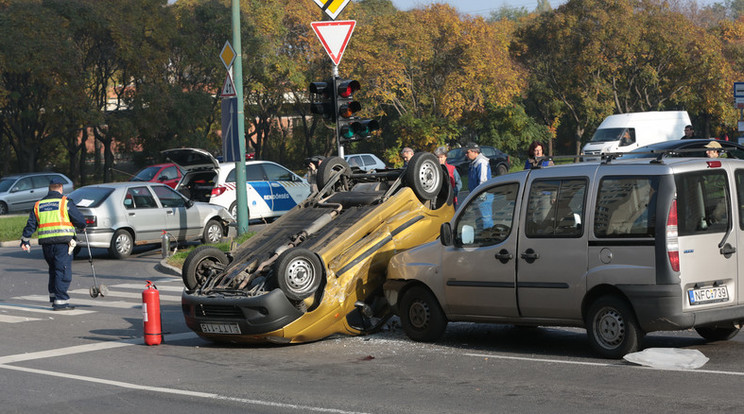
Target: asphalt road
93, 360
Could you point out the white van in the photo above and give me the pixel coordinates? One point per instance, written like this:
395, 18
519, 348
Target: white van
626, 132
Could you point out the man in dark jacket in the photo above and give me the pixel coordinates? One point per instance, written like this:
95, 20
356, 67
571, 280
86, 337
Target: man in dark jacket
56, 217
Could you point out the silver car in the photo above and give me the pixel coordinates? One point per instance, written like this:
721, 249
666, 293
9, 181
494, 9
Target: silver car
20, 192
122, 215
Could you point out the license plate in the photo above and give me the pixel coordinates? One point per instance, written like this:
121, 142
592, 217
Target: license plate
221, 328
708, 295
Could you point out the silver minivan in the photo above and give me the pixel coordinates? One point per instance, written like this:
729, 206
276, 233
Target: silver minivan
20, 192
620, 248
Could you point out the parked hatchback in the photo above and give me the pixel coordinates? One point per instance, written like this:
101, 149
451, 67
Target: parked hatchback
122, 215
271, 189
620, 248
498, 160
20, 192
168, 174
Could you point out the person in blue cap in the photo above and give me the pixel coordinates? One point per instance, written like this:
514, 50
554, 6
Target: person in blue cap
56, 219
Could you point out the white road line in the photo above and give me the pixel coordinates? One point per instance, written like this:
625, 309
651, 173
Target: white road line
600, 364
128, 295
16, 319
175, 391
98, 303
141, 287
38, 309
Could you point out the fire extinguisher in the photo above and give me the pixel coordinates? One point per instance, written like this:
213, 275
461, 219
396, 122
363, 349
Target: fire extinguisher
151, 314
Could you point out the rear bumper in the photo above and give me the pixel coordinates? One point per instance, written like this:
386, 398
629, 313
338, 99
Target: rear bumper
659, 308
97, 237
253, 315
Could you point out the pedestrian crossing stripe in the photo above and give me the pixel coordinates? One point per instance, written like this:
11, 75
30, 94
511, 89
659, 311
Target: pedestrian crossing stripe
38, 309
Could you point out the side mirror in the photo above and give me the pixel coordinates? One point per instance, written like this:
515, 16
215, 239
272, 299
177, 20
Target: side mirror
445, 234
468, 235
189, 203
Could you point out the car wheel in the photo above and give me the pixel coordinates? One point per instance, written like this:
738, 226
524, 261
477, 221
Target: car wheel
121, 244
233, 210
717, 333
201, 263
612, 327
298, 273
213, 232
3, 208
328, 167
421, 316
501, 169
424, 176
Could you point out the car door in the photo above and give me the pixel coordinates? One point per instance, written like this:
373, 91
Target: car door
181, 222
552, 259
480, 268
23, 195
144, 214
287, 189
258, 191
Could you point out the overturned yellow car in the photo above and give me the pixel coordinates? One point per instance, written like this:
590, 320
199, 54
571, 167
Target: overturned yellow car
319, 269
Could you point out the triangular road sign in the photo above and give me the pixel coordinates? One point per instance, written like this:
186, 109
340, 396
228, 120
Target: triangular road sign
228, 89
334, 36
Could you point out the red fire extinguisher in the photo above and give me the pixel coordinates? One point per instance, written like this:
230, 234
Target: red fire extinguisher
151, 314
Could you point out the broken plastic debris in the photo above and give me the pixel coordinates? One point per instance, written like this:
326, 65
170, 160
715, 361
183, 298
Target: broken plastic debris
668, 358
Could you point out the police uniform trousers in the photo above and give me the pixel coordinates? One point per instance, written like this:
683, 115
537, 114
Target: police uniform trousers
60, 271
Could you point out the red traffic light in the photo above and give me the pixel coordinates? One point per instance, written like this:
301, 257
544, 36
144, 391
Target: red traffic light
346, 88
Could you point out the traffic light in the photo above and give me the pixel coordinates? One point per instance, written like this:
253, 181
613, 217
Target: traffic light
324, 93
348, 126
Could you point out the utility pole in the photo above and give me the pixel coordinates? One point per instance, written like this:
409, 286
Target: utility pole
240, 187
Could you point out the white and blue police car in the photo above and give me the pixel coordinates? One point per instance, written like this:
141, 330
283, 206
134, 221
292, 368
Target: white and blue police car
271, 189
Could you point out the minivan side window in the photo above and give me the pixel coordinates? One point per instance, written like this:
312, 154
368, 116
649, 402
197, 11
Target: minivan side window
555, 208
488, 218
626, 207
702, 202
740, 196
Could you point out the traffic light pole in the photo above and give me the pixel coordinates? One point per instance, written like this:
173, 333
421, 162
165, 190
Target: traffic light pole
241, 191
334, 75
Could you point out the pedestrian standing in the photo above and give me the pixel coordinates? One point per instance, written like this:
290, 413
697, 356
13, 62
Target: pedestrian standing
480, 168
454, 176
56, 219
689, 133
406, 154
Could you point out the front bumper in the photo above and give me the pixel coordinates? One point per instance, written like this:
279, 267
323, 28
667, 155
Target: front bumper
254, 316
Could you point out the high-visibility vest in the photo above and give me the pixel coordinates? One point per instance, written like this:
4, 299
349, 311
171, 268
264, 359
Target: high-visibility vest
53, 219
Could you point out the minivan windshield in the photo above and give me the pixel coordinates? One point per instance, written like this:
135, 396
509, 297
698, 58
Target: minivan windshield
607, 134
5, 184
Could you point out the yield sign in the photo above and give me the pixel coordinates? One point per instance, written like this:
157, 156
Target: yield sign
332, 7
334, 36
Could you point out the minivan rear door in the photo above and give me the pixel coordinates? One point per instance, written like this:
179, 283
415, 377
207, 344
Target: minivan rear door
551, 257
707, 238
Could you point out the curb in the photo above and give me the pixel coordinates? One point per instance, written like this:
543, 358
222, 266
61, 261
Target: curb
164, 267
17, 243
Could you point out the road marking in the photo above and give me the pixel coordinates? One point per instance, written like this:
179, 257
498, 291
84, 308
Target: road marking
164, 288
173, 391
85, 302
38, 309
602, 364
128, 295
16, 319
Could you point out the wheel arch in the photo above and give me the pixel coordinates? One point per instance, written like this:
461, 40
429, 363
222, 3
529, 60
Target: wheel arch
603, 290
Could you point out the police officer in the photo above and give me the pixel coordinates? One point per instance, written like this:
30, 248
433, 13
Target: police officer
56, 218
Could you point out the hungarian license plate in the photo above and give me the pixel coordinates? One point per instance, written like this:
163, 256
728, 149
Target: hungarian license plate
221, 328
708, 295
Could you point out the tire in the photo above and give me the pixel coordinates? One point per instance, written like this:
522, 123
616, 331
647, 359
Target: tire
612, 327
213, 232
328, 167
424, 176
298, 272
421, 316
199, 265
501, 169
717, 333
233, 210
121, 244
3, 208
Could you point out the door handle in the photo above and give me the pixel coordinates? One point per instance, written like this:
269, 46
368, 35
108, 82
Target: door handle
131, 214
503, 256
171, 212
727, 250
529, 256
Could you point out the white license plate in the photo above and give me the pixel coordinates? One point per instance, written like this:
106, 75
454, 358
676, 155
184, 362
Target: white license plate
221, 328
707, 295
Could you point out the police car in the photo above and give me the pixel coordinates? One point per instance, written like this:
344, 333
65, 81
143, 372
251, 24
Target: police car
271, 189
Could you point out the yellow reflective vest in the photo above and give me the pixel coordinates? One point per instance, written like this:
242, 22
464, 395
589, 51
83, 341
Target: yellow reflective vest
53, 219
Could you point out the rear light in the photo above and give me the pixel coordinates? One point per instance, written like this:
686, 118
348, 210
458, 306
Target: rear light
218, 190
91, 221
672, 242
714, 164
